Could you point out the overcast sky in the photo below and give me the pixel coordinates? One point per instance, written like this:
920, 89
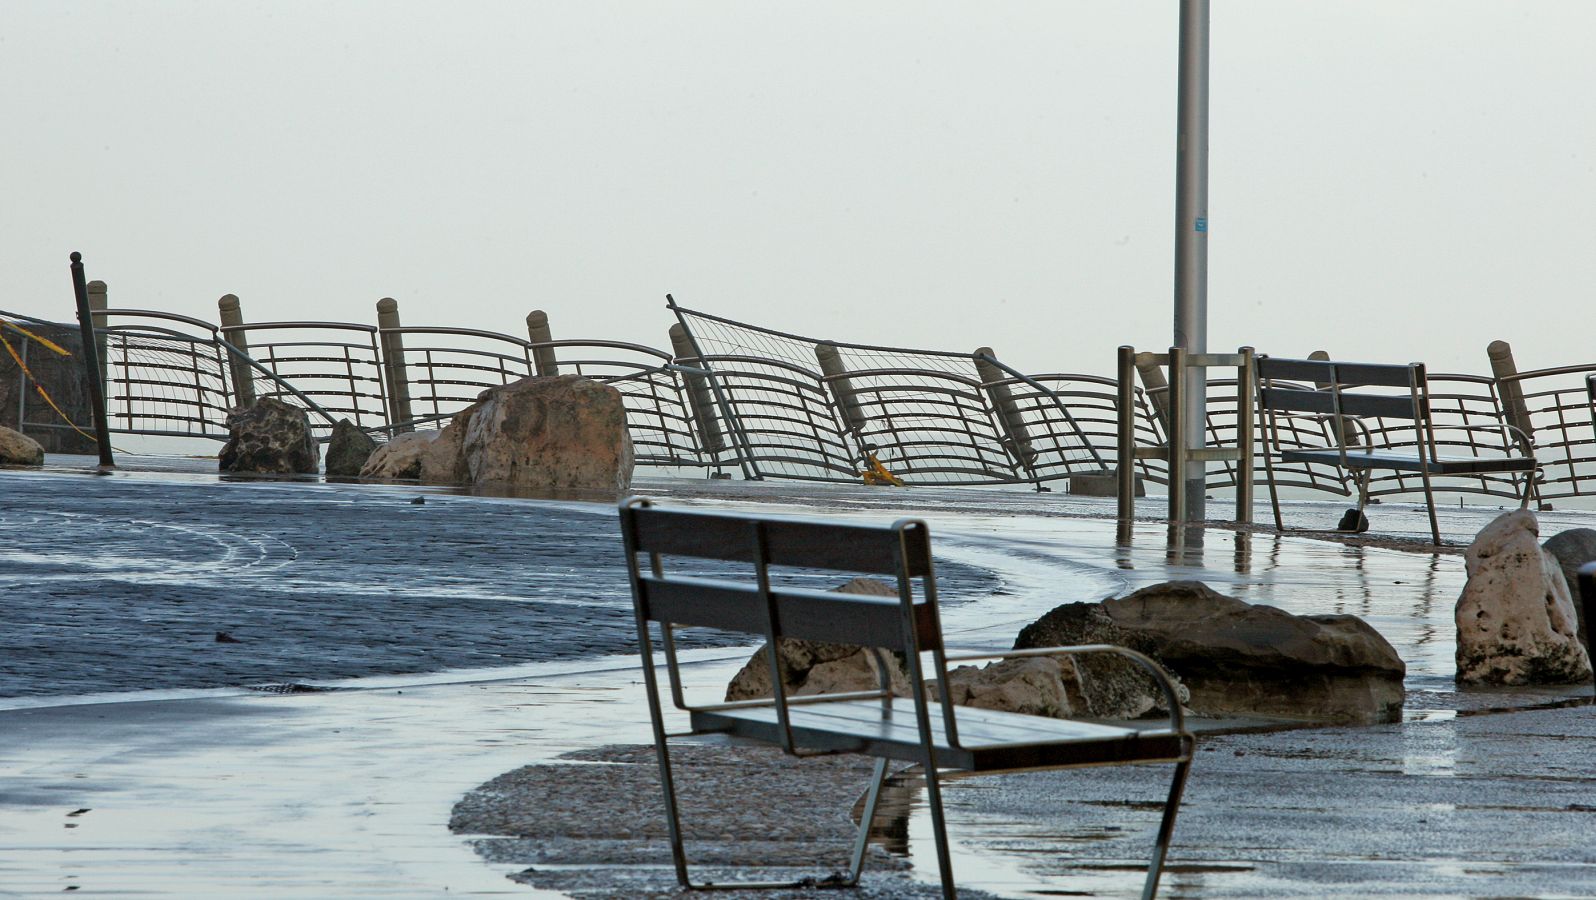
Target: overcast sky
1390, 180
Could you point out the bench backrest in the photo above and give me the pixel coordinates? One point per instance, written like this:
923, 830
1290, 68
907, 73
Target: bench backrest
750, 603
1340, 388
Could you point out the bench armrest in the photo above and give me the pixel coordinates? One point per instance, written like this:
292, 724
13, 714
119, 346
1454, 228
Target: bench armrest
1177, 718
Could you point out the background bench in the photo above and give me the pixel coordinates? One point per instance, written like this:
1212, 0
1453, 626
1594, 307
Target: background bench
942, 739
1379, 417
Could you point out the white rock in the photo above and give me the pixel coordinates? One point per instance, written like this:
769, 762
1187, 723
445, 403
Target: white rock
400, 457
1515, 619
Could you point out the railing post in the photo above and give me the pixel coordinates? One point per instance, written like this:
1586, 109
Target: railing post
699, 397
1342, 424
1126, 403
91, 362
99, 302
1177, 422
842, 393
537, 331
393, 365
232, 314
1504, 370
1002, 400
1246, 383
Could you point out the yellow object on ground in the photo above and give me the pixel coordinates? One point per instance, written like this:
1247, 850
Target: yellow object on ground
878, 474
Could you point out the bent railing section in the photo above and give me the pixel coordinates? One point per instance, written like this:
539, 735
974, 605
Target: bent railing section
1560, 406
807, 408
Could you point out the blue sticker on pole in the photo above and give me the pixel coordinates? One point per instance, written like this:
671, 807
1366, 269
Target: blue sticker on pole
1202, 224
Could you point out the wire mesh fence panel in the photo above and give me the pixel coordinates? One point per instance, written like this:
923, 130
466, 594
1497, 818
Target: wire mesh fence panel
164, 383
771, 401
815, 408
335, 365
926, 426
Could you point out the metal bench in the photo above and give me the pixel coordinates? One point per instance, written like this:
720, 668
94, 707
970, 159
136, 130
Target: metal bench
921, 729
1351, 396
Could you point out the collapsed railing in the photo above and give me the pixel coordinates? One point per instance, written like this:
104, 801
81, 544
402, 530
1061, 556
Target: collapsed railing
823, 410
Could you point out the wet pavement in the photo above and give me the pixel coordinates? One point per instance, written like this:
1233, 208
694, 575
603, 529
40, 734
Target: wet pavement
221, 791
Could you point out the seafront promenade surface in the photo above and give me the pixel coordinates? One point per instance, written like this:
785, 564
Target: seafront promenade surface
467, 636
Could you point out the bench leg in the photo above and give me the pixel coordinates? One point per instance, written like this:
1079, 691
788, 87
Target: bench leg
939, 828
867, 818
1429, 504
1166, 829
1274, 495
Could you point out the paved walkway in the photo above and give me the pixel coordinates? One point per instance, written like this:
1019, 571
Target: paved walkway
348, 792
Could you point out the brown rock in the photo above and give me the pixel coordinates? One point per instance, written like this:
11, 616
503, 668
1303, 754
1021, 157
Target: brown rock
348, 450
817, 667
17, 449
1240, 658
1231, 657
1036, 686
1112, 686
270, 438
562, 435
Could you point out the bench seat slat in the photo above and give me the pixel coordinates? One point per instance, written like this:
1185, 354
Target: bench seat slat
992, 740
1270, 367
1390, 406
1376, 374
857, 619
789, 542
1409, 462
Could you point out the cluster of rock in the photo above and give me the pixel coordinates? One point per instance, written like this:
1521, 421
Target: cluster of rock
1518, 623
1228, 657
561, 435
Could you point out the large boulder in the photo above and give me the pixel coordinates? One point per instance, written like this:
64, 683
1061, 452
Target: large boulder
17, 449
1236, 658
270, 438
1108, 685
401, 457
555, 435
1574, 548
348, 450
1515, 619
817, 667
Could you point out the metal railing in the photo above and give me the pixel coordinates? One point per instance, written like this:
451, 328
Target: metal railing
779, 405
812, 409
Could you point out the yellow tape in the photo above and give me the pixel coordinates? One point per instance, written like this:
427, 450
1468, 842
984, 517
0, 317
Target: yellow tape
39, 387
42, 341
